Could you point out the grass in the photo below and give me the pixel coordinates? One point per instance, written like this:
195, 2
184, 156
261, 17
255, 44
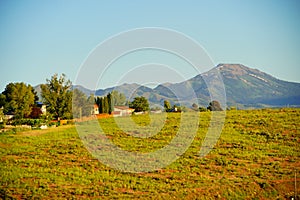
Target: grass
256, 157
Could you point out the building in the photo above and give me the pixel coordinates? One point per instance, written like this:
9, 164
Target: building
42, 107
95, 110
122, 111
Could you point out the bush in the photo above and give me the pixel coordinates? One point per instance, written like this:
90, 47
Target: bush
202, 109
214, 106
30, 122
70, 122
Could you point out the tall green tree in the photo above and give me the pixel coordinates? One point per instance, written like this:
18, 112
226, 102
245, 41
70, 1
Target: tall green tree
36, 97
110, 103
57, 94
105, 105
18, 98
99, 102
139, 104
82, 105
102, 110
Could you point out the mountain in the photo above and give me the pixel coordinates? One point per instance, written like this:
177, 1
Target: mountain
86, 91
244, 86
252, 87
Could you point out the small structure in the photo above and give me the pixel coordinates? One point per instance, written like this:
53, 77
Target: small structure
95, 110
155, 111
9, 115
43, 126
122, 111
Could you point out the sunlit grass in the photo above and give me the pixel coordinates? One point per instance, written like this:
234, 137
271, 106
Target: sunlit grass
256, 157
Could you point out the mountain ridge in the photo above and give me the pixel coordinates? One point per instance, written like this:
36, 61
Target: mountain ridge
244, 86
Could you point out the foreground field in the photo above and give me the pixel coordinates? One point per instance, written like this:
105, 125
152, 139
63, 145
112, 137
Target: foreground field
256, 157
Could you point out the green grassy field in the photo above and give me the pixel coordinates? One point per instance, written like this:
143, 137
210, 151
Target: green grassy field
256, 157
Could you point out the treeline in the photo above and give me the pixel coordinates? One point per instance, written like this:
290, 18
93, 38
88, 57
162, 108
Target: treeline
83, 106
20, 100
212, 106
62, 102
106, 104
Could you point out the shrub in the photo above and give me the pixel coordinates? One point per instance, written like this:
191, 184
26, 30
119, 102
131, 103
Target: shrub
202, 109
214, 106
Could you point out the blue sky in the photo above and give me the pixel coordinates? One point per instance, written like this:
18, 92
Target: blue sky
40, 38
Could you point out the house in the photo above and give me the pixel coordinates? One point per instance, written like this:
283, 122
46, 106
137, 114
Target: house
95, 110
9, 115
122, 111
42, 107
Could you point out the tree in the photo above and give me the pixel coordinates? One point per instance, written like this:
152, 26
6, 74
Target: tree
214, 106
35, 112
2, 118
118, 99
18, 99
167, 106
82, 105
139, 104
57, 94
105, 104
99, 102
110, 103
36, 97
202, 109
195, 107
2, 100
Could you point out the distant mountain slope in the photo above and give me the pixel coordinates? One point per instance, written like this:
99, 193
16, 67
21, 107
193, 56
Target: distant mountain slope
244, 86
251, 86
86, 91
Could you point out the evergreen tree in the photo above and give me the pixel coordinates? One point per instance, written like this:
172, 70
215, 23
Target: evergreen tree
105, 105
100, 104
110, 103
